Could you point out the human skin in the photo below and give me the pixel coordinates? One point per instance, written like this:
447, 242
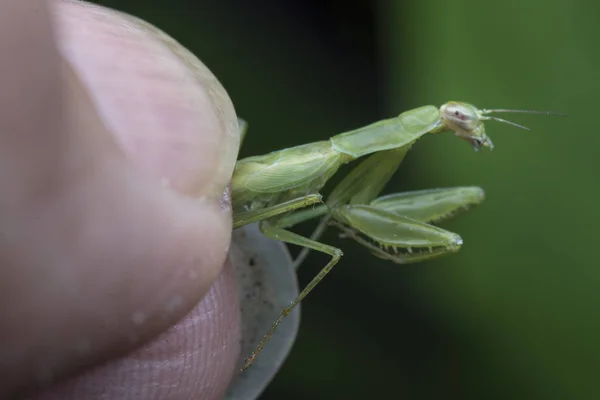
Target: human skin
116, 146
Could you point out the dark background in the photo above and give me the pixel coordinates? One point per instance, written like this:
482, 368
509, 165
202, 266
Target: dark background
515, 314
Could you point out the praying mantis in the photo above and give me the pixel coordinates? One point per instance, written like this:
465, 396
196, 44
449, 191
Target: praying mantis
277, 189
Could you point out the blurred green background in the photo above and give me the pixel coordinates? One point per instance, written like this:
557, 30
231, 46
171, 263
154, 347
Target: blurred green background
516, 313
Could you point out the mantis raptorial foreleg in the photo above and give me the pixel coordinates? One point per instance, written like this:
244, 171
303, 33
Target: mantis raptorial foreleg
275, 188
360, 186
429, 206
365, 181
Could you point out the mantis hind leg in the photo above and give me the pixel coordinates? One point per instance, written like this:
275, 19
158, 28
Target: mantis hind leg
280, 234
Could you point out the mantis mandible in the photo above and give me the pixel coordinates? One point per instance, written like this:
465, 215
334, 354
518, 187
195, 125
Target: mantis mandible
277, 188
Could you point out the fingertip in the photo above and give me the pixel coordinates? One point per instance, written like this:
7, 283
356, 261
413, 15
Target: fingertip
152, 238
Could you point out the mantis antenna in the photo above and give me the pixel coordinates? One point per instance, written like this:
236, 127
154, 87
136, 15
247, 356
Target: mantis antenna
505, 110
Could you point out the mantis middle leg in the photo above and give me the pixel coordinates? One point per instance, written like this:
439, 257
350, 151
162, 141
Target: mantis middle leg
250, 216
283, 235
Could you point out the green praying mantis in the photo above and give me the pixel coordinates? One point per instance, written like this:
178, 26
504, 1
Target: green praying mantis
276, 190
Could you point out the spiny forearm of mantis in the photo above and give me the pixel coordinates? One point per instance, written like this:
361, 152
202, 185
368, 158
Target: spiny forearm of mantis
277, 190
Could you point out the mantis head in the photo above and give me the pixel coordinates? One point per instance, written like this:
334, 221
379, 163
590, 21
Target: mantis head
466, 121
